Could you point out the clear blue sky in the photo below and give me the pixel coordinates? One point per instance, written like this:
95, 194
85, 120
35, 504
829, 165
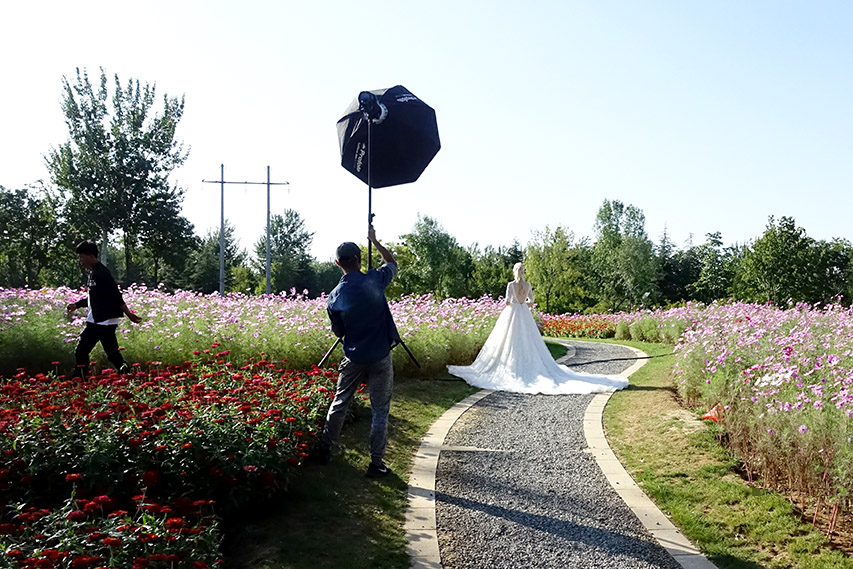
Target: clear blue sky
708, 116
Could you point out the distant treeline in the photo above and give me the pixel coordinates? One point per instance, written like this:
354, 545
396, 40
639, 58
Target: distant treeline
109, 182
621, 269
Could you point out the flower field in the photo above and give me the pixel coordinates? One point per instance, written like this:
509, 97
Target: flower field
783, 381
126, 470
35, 331
580, 325
135, 470
780, 383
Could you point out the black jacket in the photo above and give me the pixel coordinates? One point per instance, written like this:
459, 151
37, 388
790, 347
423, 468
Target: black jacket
107, 301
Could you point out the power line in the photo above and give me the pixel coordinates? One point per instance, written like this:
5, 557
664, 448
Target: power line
221, 181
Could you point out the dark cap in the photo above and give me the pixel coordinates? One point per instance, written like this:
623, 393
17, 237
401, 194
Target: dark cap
348, 250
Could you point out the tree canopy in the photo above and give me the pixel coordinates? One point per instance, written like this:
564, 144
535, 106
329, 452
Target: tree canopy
116, 163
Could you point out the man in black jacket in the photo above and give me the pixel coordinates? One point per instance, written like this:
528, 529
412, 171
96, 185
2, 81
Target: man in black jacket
106, 307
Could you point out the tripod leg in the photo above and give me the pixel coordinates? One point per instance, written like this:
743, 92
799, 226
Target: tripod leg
329, 353
411, 355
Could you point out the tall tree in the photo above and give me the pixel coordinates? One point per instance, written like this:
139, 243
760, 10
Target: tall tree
167, 238
328, 276
717, 266
833, 274
623, 257
407, 280
493, 268
35, 242
203, 269
785, 264
776, 267
670, 284
118, 158
290, 265
554, 265
440, 264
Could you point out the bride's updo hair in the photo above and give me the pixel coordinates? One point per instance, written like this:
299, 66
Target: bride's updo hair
518, 271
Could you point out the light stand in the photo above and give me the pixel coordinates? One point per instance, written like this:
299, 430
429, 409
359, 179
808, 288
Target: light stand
373, 112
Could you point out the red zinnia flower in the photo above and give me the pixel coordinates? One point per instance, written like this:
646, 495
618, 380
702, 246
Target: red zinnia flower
174, 523
77, 516
7, 529
85, 561
151, 477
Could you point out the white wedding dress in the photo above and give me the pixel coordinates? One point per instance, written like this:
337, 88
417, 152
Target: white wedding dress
515, 358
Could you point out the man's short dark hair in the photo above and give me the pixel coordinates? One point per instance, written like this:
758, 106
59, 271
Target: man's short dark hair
348, 255
348, 251
87, 248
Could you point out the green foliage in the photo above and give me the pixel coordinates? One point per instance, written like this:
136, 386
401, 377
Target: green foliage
644, 330
786, 264
623, 331
328, 276
203, 266
34, 239
243, 280
493, 269
167, 240
438, 264
678, 269
557, 269
290, 266
626, 273
717, 269
115, 166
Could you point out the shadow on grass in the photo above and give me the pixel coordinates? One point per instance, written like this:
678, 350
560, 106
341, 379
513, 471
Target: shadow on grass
333, 517
732, 562
608, 360
670, 388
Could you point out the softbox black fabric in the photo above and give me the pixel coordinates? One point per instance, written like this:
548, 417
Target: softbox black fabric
403, 138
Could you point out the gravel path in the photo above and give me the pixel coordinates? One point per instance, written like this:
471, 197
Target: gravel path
515, 489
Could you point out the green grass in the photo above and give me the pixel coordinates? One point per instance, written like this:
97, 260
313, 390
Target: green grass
557, 350
677, 460
334, 517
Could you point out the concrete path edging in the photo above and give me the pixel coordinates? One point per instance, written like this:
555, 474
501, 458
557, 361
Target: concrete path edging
421, 535
655, 521
420, 523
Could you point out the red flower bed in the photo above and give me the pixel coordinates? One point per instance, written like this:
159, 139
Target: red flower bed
579, 325
94, 533
145, 445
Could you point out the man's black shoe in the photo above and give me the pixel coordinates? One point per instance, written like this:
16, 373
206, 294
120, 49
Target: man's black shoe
377, 471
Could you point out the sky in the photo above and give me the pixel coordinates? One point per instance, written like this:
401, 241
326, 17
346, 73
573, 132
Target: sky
708, 116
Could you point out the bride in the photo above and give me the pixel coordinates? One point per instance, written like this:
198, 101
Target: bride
515, 358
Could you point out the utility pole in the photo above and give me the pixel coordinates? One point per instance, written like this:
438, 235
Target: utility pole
221, 181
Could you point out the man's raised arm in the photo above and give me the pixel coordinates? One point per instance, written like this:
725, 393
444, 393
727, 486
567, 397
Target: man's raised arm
386, 254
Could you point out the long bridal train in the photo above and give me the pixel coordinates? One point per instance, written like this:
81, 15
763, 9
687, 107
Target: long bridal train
515, 358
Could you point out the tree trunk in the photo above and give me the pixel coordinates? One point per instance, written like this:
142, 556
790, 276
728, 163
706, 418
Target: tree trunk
103, 256
129, 272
